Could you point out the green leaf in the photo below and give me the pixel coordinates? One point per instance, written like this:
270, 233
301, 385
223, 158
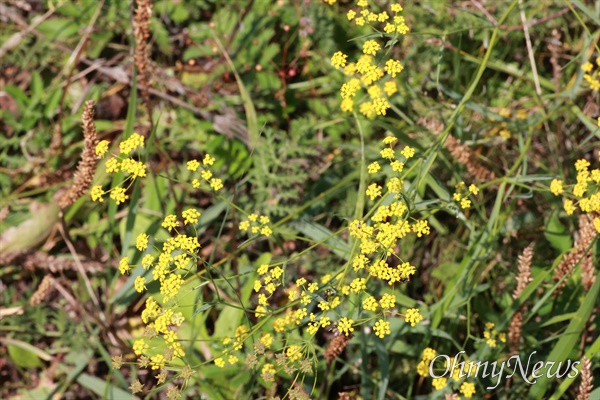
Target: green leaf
569, 340
24, 354
319, 234
103, 389
557, 234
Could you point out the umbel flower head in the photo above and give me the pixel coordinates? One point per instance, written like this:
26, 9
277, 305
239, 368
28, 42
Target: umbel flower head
366, 73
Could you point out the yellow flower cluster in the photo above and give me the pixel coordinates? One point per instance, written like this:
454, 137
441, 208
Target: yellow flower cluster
467, 389
491, 335
177, 255
206, 174
366, 16
584, 194
468, 368
591, 75
413, 316
367, 72
389, 224
461, 196
268, 283
304, 293
378, 239
160, 322
426, 358
121, 163
256, 224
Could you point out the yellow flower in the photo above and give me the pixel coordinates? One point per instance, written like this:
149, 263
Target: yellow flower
118, 195
393, 67
556, 186
408, 152
439, 383
347, 105
413, 316
139, 284
131, 143
263, 269
373, 191
112, 165
587, 67
581, 165
170, 222
396, 8
381, 106
371, 47
428, 354
597, 224
350, 88
382, 16
190, 216
390, 88
467, 389
382, 328
147, 261
338, 60
135, 168
267, 340
206, 175
158, 361
358, 284
569, 207
244, 225
208, 160
268, 369
474, 189
345, 326
97, 193
124, 265
294, 353
141, 242
387, 153
351, 14
193, 165
423, 368
374, 92
219, 362
102, 148
367, 110
350, 69
397, 166
387, 301
465, 204
140, 346
370, 304
216, 184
